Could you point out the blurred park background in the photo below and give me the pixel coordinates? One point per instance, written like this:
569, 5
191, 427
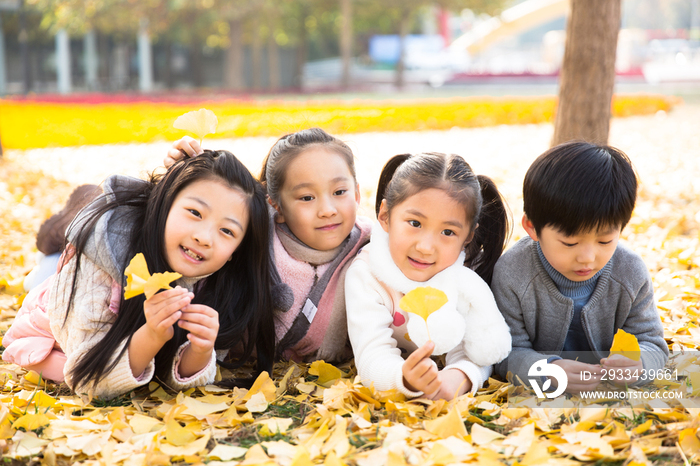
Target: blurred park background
89, 88
258, 47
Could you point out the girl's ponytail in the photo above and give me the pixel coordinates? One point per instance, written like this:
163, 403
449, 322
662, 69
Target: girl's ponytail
385, 177
492, 234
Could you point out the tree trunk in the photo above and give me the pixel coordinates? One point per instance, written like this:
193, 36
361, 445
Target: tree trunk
588, 72
24, 49
168, 75
256, 54
404, 24
233, 70
302, 50
346, 42
273, 62
196, 64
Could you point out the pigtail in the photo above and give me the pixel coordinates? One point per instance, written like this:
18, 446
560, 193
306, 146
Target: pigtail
494, 229
385, 177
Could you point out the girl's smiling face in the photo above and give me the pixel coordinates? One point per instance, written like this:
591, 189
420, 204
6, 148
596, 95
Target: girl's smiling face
427, 232
205, 225
319, 198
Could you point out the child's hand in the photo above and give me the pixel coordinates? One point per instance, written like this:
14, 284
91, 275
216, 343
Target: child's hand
188, 145
420, 373
574, 371
453, 383
163, 309
203, 324
622, 370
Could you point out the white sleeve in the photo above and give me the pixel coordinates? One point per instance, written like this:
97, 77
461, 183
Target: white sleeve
377, 357
88, 322
457, 359
487, 338
201, 378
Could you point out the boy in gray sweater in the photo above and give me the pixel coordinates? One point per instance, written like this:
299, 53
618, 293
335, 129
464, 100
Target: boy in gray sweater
567, 287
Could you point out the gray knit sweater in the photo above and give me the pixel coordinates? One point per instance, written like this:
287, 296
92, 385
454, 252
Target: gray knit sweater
539, 316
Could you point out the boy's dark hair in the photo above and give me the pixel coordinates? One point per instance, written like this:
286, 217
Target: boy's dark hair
405, 175
577, 186
239, 291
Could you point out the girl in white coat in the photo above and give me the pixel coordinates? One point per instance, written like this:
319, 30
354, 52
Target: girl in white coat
443, 227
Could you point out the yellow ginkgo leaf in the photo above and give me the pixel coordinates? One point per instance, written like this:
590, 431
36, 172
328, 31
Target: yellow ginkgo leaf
626, 345
200, 122
423, 301
178, 435
139, 280
326, 372
31, 421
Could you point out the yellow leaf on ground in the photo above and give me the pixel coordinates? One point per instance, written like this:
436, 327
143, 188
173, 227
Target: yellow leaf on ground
141, 424
189, 449
626, 345
326, 373
256, 455
42, 400
199, 409
274, 425
440, 455
200, 122
302, 457
263, 384
423, 301
257, 403
536, 454
689, 442
31, 422
178, 435
12, 286
482, 435
226, 452
641, 428
447, 426
139, 280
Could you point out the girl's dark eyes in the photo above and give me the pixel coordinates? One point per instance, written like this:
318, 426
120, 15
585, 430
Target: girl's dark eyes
195, 213
414, 223
448, 232
226, 231
340, 192
306, 198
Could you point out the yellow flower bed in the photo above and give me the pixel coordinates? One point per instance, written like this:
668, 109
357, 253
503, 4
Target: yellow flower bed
31, 124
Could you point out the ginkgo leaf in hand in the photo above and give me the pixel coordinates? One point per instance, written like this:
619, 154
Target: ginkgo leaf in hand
139, 280
423, 301
626, 345
442, 322
200, 122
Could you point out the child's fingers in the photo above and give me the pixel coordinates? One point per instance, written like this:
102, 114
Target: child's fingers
188, 146
163, 296
618, 360
166, 308
432, 386
168, 321
202, 327
200, 344
420, 354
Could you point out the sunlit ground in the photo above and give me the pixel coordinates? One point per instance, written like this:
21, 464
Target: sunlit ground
346, 423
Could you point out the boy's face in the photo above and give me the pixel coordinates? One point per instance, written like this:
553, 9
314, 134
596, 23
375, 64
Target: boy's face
578, 257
